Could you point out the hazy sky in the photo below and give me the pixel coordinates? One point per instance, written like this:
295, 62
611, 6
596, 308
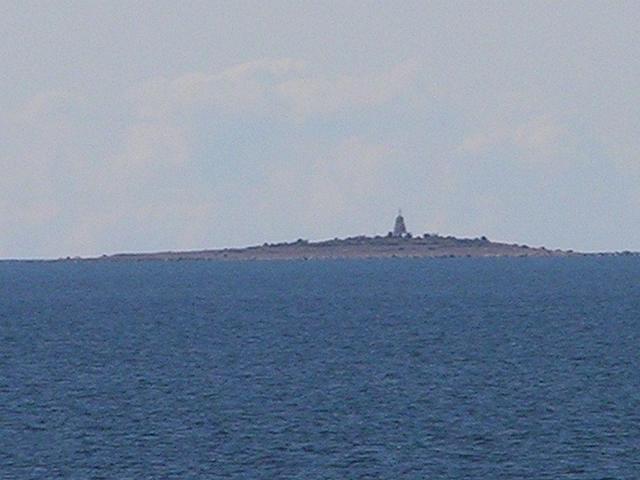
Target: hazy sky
150, 125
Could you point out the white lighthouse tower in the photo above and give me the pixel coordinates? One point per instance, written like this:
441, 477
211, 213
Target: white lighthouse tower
399, 228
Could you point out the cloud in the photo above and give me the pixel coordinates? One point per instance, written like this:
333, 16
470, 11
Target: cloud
47, 104
536, 135
281, 84
309, 95
81, 175
347, 175
38, 146
235, 89
152, 146
337, 184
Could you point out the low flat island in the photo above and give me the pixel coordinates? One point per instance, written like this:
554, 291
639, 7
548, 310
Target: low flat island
356, 247
398, 243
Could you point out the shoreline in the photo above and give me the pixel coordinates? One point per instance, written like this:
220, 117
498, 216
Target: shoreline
360, 247
354, 248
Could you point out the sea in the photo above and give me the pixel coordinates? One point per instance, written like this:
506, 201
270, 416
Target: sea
489, 368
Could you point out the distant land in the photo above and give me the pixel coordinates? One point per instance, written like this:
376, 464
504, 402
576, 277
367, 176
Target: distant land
355, 247
398, 243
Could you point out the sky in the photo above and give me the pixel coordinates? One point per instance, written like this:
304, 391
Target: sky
131, 126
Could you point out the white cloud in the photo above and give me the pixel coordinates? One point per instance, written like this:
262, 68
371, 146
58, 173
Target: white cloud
82, 178
538, 135
347, 175
45, 105
334, 185
308, 95
283, 83
237, 88
42, 152
152, 146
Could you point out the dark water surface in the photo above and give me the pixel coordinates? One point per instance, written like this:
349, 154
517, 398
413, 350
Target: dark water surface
435, 369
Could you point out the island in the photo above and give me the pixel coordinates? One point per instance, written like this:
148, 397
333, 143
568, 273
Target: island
398, 243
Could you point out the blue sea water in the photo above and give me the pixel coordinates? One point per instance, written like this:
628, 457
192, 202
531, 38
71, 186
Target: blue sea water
377, 369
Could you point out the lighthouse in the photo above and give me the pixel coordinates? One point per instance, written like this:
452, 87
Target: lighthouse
399, 228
